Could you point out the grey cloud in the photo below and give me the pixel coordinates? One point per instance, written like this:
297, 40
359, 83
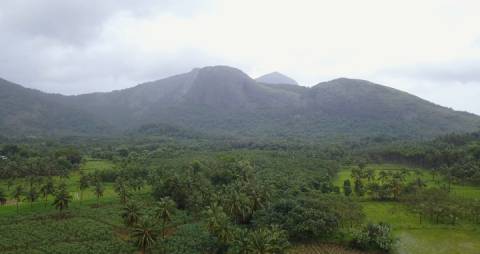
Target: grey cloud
50, 45
77, 21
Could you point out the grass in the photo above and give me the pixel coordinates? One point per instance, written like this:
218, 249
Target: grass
321, 248
89, 197
463, 191
413, 237
87, 230
38, 228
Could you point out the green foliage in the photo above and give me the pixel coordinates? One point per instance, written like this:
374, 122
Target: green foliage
143, 233
131, 214
62, 199
374, 237
190, 239
306, 219
347, 188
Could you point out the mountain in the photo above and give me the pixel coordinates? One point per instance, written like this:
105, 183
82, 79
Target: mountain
28, 111
276, 78
222, 100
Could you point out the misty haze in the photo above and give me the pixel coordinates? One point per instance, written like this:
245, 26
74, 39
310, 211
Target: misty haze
235, 127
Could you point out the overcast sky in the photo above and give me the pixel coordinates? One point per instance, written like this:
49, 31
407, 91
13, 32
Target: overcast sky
428, 48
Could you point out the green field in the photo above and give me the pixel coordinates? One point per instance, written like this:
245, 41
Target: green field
89, 197
413, 237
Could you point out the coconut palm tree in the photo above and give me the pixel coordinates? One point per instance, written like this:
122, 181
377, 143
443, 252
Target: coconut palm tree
268, 241
17, 194
144, 234
99, 189
131, 214
370, 174
241, 241
218, 223
3, 197
47, 189
62, 199
84, 183
163, 211
10, 183
121, 189
32, 195
383, 176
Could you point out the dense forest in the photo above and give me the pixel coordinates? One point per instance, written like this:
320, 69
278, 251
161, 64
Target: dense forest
197, 196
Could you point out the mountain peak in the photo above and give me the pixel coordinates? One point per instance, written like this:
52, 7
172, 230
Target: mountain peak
276, 78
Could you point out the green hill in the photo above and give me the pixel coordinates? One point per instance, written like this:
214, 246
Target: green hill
223, 100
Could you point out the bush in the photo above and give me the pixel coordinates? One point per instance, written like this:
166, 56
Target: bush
190, 239
302, 219
374, 237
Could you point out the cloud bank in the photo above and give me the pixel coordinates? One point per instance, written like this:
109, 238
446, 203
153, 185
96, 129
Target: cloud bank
428, 48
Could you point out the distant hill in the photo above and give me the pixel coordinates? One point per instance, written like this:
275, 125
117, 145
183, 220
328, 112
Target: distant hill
26, 111
276, 78
222, 100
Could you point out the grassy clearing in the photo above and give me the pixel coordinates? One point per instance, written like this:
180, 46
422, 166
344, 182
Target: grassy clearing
87, 230
463, 191
426, 238
72, 182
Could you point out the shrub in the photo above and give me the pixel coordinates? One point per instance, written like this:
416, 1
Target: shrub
374, 237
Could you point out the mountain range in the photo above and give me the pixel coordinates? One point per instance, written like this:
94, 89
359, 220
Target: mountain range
222, 100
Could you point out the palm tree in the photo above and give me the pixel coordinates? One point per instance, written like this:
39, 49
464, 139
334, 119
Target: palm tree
84, 183
383, 176
144, 234
131, 214
121, 189
370, 175
99, 189
268, 241
218, 223
241, 242
17, 194
3, 197
32, 195
47, 189
10, 183
62, 199
163, 212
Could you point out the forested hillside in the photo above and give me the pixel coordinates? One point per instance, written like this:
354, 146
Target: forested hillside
224, 101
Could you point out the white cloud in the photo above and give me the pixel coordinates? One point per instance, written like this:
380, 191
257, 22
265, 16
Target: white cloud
310, 40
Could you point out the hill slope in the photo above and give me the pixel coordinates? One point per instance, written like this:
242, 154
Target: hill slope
221, 100
27, 111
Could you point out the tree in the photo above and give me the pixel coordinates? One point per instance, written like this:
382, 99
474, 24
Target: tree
32, 195
218, 225
144, 234
374, 237
347, 187
131, 214
163, 212
370, 173
359, 188
237, 204
99, 189
62, 199
268, 241
383, 176
3, 197
10, 183
17, 194
84, 183
47, 189
121, 189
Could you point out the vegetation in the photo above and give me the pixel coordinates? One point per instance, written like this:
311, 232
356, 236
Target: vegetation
168, 197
